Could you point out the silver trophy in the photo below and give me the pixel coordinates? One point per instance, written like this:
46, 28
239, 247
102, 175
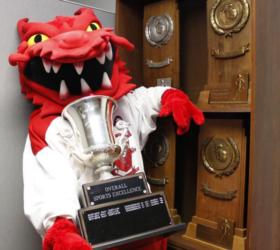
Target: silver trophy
91, 120
122, 201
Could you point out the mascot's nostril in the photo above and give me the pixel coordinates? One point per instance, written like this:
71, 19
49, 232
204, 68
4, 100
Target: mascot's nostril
72, 39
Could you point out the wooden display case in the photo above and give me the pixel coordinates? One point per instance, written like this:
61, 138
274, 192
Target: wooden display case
154, 65
232, 79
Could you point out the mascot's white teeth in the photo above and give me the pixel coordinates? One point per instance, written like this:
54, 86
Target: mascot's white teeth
56, 67
63, 92
101, 58
79, 67
106, 83
48, 65
84, 86
109, 52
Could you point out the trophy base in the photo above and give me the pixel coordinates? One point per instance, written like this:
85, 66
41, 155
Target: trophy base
207, 235
165, 232
122, 221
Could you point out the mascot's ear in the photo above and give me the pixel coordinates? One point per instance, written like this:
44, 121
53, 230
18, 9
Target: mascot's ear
82, 11
21, 25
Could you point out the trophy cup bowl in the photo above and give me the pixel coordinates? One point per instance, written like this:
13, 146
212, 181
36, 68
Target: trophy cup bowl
91, 120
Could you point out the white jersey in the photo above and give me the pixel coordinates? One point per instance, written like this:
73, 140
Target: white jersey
54, 176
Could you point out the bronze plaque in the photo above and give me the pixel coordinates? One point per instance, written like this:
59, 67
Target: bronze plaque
222, 235
237, 93
229, 16
220, 155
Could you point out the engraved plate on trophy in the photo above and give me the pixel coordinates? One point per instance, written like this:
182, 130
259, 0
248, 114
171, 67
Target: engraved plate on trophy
118, 188
229, 16
118, 221
159, 30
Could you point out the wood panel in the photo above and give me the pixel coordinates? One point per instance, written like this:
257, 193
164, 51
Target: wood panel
150, 75
159, 54
131, 20
208, 207
129, 24
220, 71
193, 49
223, 72
264, 192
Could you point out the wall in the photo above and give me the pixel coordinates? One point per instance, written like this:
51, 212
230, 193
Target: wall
15, 230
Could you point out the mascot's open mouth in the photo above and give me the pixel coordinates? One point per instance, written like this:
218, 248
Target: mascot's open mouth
70, 57
73, 78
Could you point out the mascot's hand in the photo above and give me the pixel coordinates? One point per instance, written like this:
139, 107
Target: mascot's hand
64, 235
177, 103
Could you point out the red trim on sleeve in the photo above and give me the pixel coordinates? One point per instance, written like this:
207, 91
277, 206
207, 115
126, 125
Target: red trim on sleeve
40, 120
37, 130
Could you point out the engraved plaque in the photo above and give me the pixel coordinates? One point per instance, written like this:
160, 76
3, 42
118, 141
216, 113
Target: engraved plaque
222, 235
220, 54
114, 189
121, 221
237, 93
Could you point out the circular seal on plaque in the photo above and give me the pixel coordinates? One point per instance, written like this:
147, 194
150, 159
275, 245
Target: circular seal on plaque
229, 16
220, 156
159, 29
157, 149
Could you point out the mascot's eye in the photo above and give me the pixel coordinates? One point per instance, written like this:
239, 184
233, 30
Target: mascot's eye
93, 26
37, 38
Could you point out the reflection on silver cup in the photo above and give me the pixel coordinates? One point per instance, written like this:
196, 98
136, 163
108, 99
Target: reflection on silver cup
91, 120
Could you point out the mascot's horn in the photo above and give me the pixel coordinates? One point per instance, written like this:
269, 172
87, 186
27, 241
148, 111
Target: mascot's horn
21, 26
82, 11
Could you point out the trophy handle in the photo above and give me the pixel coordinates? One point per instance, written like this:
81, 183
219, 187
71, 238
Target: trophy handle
104, 173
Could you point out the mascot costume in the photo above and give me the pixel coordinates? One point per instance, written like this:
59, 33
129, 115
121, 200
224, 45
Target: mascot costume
59, 62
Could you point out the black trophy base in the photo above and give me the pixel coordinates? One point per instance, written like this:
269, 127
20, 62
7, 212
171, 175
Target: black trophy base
164, 231
123, 221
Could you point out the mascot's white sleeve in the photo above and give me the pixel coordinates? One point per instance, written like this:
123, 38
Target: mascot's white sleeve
142, 107
50, 187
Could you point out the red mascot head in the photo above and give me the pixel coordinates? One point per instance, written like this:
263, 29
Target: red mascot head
68, 58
